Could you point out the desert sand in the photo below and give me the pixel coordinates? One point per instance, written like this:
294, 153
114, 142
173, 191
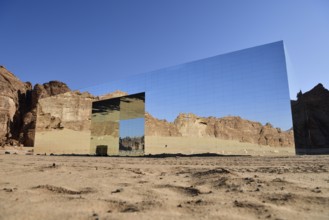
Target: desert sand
231, 187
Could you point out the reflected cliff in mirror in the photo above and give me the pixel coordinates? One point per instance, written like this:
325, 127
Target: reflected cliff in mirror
117, 126
132, 120
105, 126
63, 124
235, 103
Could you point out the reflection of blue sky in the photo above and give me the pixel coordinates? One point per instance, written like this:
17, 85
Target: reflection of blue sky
250, 83
293, 79
132, 127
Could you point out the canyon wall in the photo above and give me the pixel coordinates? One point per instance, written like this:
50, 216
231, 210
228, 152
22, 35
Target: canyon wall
18, 104
14, 103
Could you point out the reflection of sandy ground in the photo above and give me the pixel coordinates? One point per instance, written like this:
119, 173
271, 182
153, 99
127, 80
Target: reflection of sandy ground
178, 188
195, 145
64, 141
111, 142
78, 142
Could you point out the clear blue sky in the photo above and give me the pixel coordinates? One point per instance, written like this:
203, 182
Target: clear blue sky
85, 43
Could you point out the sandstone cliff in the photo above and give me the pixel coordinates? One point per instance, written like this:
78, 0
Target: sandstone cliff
39, 91
226, 128
18, 102
311, 120
13, 103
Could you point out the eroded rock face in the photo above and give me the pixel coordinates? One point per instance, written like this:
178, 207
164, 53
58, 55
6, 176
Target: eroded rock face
13, 95
275, 137
226, 128
7, 112
18, 102
39, 92
311, 121
45, 90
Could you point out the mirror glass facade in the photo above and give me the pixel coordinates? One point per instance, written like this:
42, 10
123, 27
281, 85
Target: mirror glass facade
235, 103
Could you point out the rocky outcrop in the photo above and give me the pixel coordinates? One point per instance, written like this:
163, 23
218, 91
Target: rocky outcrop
72, 110
226, 128
311, 121
45, 90
39, 92
18, 102
14, 96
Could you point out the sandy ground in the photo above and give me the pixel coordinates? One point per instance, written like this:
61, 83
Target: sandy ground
59, 187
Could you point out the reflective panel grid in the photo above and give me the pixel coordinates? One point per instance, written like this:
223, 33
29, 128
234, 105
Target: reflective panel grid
235, 103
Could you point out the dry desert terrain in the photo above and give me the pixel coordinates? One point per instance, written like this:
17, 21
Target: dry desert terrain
232, 187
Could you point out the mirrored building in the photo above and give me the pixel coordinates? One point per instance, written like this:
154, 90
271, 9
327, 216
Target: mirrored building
117, 125
235, 103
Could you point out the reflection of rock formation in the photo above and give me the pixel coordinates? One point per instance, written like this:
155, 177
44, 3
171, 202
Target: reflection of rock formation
226, 128
311, 121
39, 91
18, 102
71, 110
63, 124
114, 94
18, 107
156, 127
131, 143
